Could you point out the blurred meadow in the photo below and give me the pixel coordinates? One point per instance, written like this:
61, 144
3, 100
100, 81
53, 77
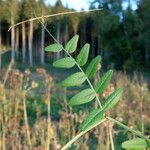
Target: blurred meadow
34, 110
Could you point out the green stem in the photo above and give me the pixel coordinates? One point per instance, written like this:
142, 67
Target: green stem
73, 140
26, 121
86, 78
127, 128
80, 134
109, 118
76, 65
7, 73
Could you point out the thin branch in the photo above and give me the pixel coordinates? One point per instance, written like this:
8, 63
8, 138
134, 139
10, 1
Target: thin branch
90, 84
80, 134
53, 15
7, 73
128, 129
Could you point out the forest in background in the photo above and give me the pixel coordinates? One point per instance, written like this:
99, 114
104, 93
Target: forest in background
35, 113
121, 36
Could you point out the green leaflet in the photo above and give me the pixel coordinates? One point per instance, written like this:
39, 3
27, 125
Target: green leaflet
93, 67
93, 118
82, 97
75, 79
66, 62
98, 114
54, 48
103, 82
72, 44
83, 55
112, 99
135, 144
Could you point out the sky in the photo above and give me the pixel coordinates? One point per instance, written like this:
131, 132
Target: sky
79, 4
75, 4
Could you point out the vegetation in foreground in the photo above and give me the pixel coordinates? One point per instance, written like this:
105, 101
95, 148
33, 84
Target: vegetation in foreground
35, 110
132, 110
38, 117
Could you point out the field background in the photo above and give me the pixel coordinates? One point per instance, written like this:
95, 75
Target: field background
34, 110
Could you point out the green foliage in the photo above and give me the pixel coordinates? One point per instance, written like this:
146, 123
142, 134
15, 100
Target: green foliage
54, 48
135, 144
112, 99
112, 34
72, 44
29, 7
11, 8
103, 82
82, 97
66, 62
83, 55
93, 118
97, 116
93, 67
75, 79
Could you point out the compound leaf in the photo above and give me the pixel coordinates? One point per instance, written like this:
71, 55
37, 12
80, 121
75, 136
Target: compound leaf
93, 118
82, 97
66, 62
93, 67
135, 144
83, 55
54, 48
72, 44
75, 79
103, 82
112, 99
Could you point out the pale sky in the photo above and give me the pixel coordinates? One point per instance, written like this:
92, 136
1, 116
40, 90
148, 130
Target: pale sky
79, 4
75, 4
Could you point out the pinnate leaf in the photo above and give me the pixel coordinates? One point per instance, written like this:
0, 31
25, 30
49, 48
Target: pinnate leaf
72, 44
82, 97
135, 144
66, 62
83, 55
103, 82
112, 99
93, 118
54, 48
75, 79
93, 67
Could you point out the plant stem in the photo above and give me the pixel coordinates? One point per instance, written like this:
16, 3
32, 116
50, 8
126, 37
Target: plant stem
3, 135
26, 121
75, 63
111, 136
86, 78
109, 118
7, 73
73, 140
127, 128
48, 115
54, 15
79, 135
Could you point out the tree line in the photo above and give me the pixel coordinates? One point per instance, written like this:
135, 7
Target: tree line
121, 36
